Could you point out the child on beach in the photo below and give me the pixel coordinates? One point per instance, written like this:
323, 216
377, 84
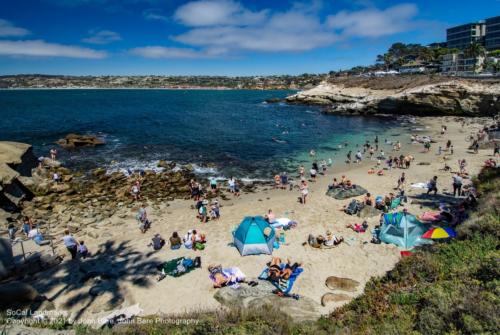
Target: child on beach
82, 250
175, 241
215, 211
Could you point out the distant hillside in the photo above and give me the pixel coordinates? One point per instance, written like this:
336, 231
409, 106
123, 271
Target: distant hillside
253, 82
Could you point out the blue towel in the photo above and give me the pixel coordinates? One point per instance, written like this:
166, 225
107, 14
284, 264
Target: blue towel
290, 282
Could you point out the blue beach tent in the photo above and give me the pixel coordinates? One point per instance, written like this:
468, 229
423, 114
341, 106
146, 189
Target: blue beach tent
403, 230
250, 236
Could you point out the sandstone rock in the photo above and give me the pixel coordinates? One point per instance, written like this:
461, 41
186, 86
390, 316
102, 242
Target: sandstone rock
256, 297
72, 141
340, 194
18, 292
368, 212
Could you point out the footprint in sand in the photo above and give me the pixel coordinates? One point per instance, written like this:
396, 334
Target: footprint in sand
334, 297
344, 284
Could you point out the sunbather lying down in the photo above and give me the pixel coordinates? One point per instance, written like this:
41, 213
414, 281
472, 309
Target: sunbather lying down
358, 228
227, 276
320, 241
282, 275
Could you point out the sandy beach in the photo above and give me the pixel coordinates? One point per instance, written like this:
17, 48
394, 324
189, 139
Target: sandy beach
357, 259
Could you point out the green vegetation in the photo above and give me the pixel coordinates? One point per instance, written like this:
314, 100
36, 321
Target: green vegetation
447, 288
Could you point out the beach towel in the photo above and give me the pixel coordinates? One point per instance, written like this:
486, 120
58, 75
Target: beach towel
177, 267
284, 286
284, 223
419, 185
121, 315
430, 216
395, 202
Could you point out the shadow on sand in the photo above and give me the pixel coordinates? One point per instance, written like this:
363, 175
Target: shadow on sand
101, 274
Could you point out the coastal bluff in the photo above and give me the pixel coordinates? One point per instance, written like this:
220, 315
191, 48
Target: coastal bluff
455, 97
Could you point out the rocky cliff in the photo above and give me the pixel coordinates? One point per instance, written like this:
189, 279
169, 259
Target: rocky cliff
16, 162
454, 97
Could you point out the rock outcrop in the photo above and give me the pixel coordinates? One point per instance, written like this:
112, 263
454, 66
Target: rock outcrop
16, 162
303, 309
341, 194
454, 97
72, 141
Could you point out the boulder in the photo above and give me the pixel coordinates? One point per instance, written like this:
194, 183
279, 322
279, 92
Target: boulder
18, 292
368, 212
341, 194
245, 296
72, 141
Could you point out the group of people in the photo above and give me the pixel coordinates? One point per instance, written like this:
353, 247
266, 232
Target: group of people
206, 209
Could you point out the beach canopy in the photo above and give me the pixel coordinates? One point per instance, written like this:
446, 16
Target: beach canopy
403, 230
254, 236
438, 233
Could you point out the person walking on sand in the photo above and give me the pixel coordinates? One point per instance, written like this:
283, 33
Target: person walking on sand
496, 150
349, 157
359, 157
135, 190
304, 191
401, 181
70, 243
457, 184
213, 184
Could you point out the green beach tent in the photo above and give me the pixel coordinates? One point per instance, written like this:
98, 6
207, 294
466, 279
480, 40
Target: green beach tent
403, 230
254, 236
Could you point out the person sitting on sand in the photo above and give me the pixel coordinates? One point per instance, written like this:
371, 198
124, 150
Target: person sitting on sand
368, 200
432, 185
331, 240
490, 163
189, 239
175, 241
380, 203
270, 217
157, 242
335, 184
358, 228
371, 171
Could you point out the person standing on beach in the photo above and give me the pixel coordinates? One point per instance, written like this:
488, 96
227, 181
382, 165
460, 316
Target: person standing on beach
457, 185
304, 191
213, 184
53, 154
301, 171
496, 150
231, 182
70, 243
349, 157
359, 157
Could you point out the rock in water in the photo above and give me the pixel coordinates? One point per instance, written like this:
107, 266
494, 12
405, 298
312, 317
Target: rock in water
72, 141
341, 194
343, 284
334, 297
304, 309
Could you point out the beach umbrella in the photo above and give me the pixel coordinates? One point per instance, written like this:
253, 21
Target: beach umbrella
437, 233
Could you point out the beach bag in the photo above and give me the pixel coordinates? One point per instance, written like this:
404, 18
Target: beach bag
187, 263
199, 246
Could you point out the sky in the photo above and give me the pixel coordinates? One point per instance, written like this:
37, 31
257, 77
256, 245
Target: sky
217, 37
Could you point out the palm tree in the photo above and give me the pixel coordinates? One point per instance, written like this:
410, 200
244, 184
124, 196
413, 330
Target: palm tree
475, 50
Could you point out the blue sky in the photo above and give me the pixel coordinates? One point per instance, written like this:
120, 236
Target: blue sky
217, 37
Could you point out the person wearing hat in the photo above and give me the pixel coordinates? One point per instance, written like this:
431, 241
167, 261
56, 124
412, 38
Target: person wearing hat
331, 239
202, 211
214, 210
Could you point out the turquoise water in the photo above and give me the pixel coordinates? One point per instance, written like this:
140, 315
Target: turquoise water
232, 131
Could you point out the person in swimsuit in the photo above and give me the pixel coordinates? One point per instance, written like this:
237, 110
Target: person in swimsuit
304, 191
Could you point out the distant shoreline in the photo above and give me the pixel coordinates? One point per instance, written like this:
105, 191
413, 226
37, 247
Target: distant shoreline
147, 88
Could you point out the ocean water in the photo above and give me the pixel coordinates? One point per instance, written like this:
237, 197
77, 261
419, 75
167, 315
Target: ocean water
221, 132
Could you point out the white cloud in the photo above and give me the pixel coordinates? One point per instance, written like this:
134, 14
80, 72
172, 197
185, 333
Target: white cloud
217, 12
165, 52
8, 29
41, 48
102, 37
154, 14
228, 25
374, 22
